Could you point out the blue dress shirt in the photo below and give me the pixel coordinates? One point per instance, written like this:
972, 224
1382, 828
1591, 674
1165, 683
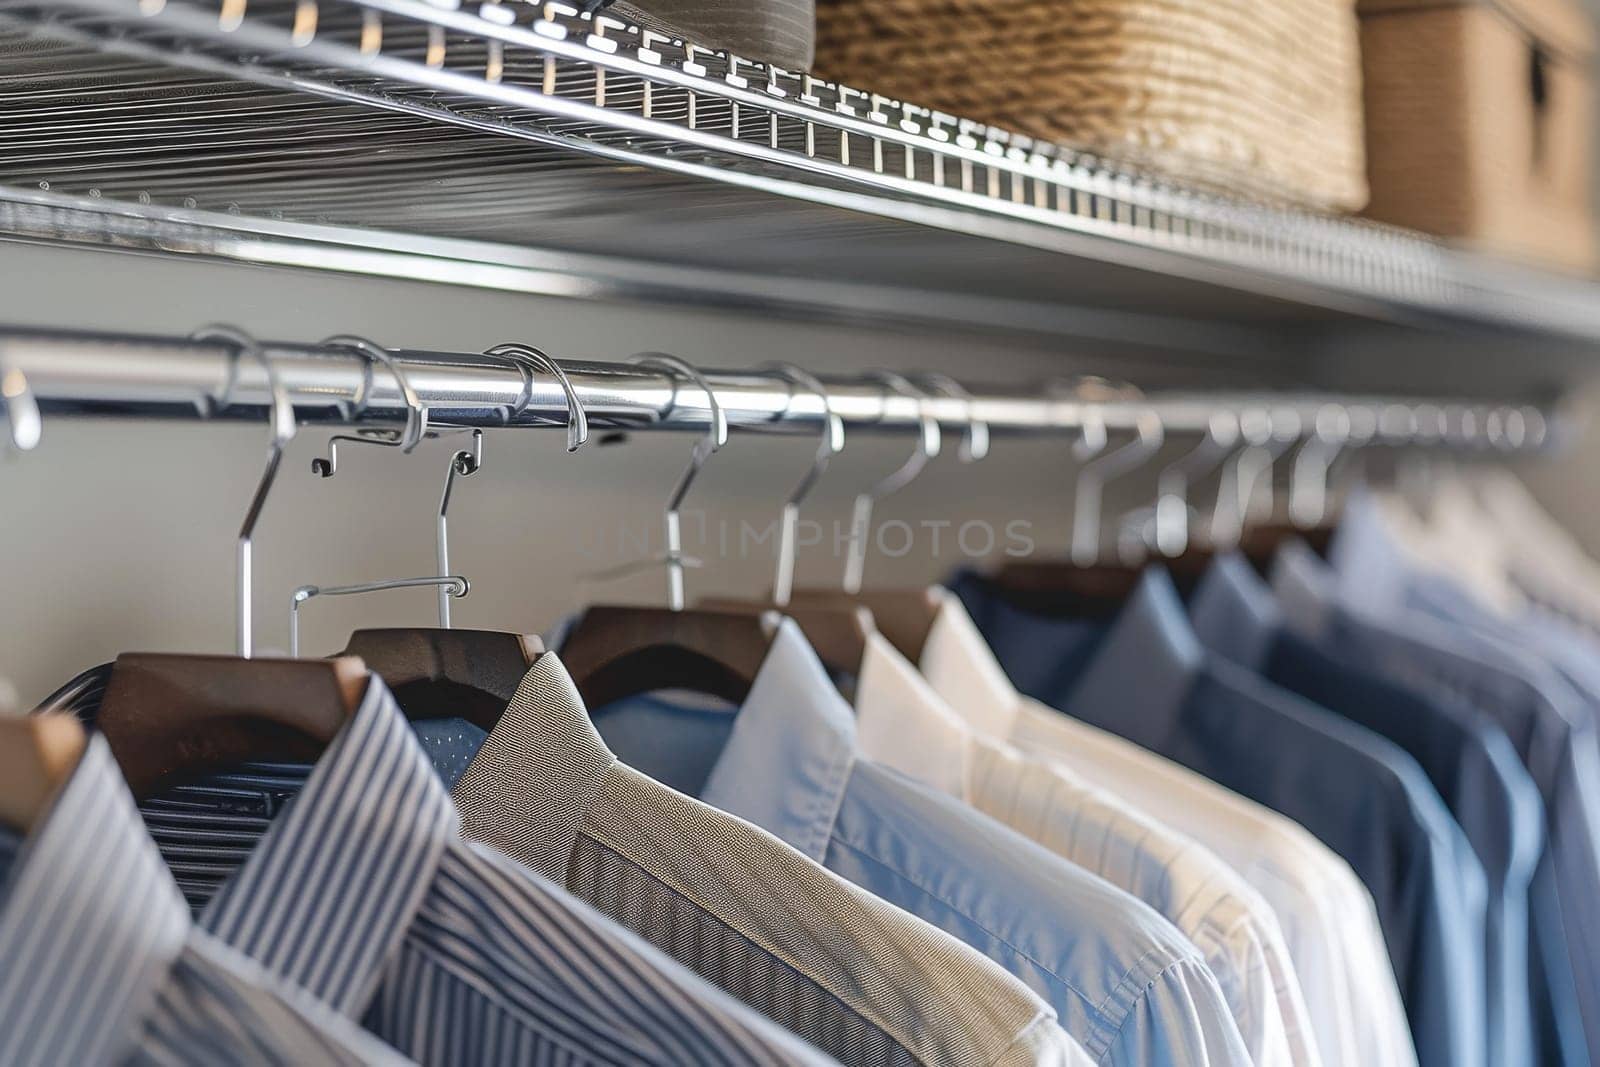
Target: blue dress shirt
1466, 755
1146, 678
100, 962
1369, 609
1124, 982
363, 892
207, 829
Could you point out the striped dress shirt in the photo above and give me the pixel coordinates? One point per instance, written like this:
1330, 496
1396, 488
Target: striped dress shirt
861, 978
902, 723
100, 961
364, 893
1327, 916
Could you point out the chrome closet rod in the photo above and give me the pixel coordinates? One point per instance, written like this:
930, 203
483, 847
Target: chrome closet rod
72, 372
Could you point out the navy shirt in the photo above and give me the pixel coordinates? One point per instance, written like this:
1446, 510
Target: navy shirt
1467, 757
1548, 723
1146, 678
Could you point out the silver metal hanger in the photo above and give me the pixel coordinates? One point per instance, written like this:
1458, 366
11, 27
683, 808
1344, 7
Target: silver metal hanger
1265, 434
529, 359
1172, 515
283, 427
715, 437
831, 445
450, 585
975, 440
1309, 478
464, 463
1104, 466
416, 427
928, 444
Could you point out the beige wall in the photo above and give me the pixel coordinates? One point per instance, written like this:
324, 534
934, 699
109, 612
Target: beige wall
118, 535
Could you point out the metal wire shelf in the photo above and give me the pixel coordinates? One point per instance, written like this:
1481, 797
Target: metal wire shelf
535, 127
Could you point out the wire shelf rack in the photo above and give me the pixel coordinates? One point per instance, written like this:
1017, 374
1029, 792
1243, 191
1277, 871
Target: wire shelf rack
472, 133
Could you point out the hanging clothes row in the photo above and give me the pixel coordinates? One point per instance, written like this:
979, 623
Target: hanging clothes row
1250, 804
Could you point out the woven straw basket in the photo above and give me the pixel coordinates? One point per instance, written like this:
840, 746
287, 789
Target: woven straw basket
1257, 97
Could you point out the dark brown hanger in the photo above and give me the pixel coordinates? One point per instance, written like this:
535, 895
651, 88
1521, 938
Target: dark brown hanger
442, 674
616, 652
38, 753
171, 718
838, 634
1061, 588
904, 617
168, 717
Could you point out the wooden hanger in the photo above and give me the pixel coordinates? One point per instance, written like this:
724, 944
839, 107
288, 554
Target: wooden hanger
614, 652
38, 753
904, 617
442, 674
837, 633
438, 673
169, 718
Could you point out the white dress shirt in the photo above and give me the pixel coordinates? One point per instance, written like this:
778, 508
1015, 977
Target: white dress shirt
1327, 917
903, 723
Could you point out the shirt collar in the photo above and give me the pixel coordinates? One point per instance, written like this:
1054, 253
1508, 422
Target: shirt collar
1147, 660
1233, 612
788, 757
1365, 559
961, 668
902, 723
331, 889
90, 924
546, 744
1304, 587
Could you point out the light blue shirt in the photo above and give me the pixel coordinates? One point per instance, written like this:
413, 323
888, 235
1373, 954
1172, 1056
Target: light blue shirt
1145, 677
1466, 755
1125, 983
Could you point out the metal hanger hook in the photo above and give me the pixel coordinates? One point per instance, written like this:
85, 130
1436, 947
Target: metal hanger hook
1172, 484
283, 429
1308, 478
416, 412
831, 445
928, 444
1265, 434
464, 463
975, 442
450, 585
716, 436
21, 408
529, 359
1149, 435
